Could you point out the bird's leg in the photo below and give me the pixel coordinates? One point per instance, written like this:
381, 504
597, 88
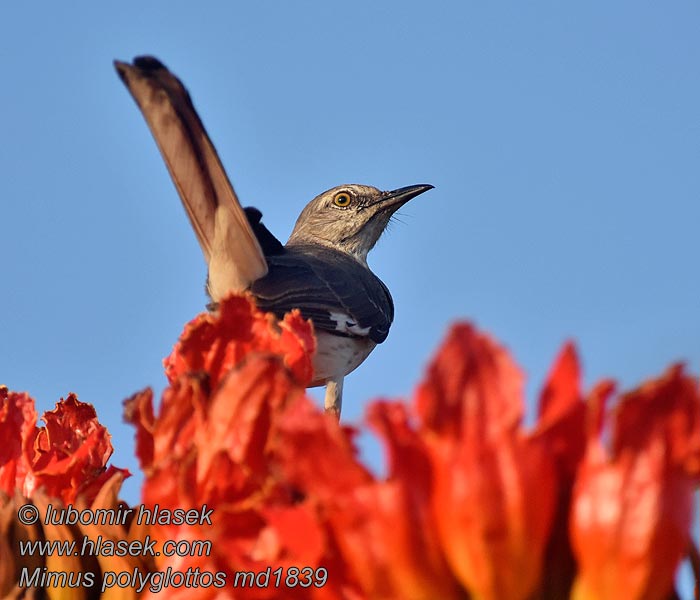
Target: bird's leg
334, 396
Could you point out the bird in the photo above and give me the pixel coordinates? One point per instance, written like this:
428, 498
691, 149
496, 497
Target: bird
322, 270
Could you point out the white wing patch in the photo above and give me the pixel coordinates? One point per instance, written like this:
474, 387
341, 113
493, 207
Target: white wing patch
345, 324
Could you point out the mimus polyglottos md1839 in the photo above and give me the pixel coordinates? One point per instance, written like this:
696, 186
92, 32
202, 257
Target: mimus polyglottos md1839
321, 270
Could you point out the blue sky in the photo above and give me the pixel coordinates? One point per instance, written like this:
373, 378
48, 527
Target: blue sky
563, 142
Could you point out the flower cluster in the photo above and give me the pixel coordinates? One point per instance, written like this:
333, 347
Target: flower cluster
62, 463
592, 502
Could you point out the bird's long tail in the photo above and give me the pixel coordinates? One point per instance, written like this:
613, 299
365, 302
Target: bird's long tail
230, 247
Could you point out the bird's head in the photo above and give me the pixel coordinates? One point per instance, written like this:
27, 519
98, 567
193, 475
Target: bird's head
351, 217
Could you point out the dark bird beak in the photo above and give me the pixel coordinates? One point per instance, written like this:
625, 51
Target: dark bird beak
397, 198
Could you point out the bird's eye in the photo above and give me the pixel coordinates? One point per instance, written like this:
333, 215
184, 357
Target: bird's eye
342, 199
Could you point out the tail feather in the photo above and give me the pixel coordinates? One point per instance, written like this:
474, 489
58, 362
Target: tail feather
228, 242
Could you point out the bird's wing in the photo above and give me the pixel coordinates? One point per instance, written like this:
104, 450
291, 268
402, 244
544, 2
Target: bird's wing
228, 242
269, 243
332, 289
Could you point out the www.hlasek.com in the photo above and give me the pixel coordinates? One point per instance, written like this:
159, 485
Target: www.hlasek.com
139, 579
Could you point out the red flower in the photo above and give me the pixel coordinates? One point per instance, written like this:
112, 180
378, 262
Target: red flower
212, 444
63, 461
215, 344
67, 458
472, 505
632, 505
495, 486
383, 531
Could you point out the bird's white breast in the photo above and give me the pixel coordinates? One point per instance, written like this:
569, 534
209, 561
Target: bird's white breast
338, 355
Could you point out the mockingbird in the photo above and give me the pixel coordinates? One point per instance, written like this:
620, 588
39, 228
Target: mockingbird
321, 270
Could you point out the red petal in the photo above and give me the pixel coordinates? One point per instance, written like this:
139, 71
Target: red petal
668, 407
563, 388
488, 474
294, 534
472, 382
562, 415
215, 343
561, 427
171, 479
632, 510
138, 410
17, 420
399, 524
629, 524
384, 531
68, 456
234, 445
494, 503
318, 454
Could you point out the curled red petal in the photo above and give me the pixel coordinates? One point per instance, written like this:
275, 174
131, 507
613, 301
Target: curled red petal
234, 448
171, 476
215, 343
17, 420
68, 457
298, 345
